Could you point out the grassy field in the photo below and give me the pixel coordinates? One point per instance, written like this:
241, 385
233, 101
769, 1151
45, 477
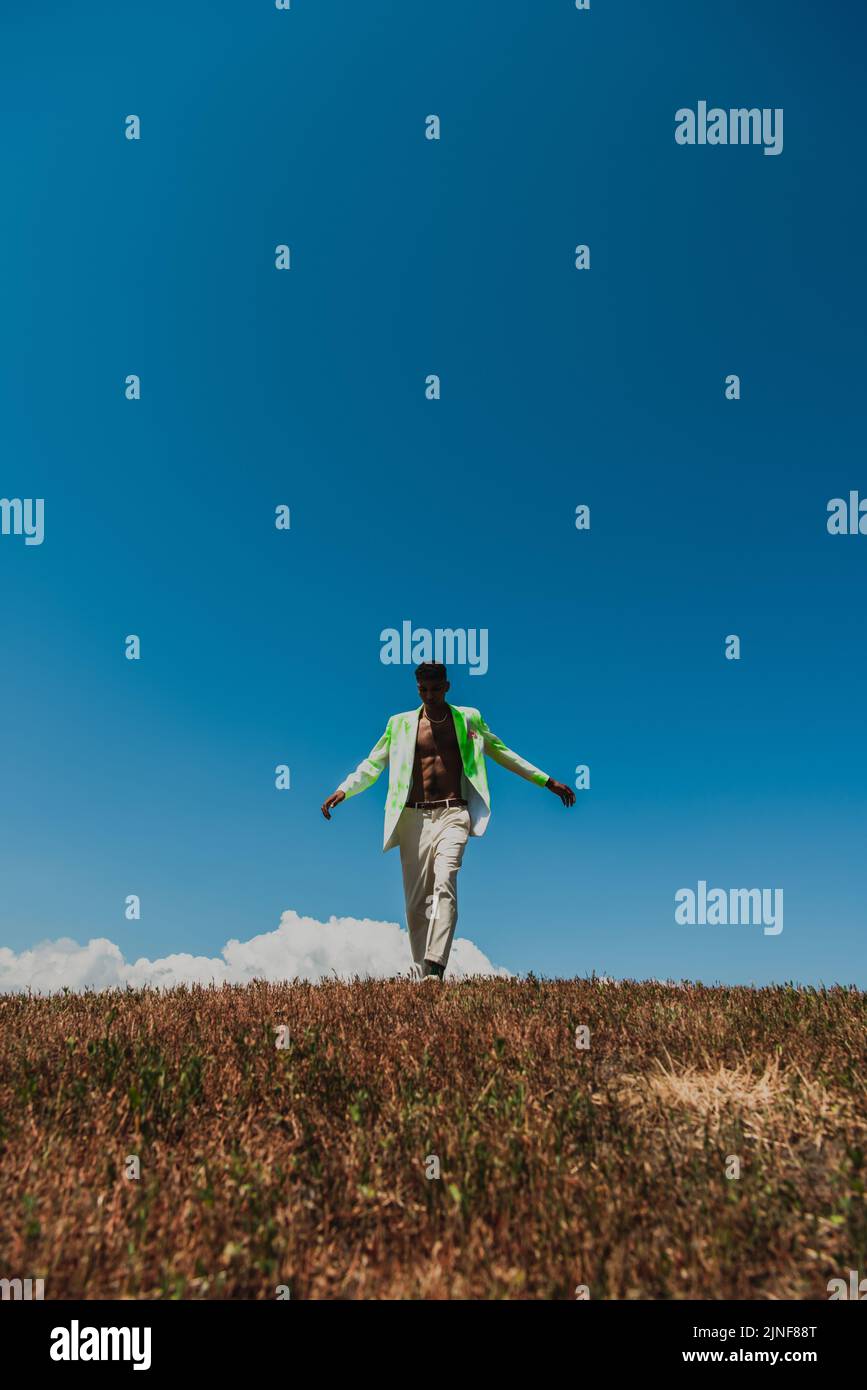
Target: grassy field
307, 1165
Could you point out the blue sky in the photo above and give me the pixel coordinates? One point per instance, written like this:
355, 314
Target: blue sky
306, 387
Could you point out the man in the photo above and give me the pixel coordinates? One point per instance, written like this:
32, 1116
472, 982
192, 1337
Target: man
437, 797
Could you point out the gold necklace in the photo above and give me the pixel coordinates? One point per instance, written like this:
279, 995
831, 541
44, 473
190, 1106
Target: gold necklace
436, 721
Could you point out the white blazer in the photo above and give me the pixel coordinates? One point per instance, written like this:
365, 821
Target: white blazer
397, 749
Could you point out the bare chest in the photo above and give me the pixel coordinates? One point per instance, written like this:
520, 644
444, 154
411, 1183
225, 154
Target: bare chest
437, 740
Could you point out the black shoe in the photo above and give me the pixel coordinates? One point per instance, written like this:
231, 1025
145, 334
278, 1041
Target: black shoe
435, 968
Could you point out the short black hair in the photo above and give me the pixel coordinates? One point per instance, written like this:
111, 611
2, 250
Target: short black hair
432, 670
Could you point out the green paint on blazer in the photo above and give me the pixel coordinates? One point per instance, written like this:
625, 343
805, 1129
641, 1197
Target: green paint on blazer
397, 749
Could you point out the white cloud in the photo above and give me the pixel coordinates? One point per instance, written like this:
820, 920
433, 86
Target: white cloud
300, 947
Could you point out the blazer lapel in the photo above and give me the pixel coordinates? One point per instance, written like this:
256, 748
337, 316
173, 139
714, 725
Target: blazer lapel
463, 739
412, 737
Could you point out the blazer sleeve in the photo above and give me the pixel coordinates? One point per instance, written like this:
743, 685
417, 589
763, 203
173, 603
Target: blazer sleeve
369, 769
496, 749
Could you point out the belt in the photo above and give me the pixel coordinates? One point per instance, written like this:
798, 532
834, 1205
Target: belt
430, 805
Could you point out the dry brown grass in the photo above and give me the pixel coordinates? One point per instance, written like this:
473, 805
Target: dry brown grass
306, 1166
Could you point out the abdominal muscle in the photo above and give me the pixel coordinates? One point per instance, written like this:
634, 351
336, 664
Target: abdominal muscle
437, 767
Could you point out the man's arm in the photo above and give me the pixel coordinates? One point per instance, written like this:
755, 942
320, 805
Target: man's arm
364, 775
496, 749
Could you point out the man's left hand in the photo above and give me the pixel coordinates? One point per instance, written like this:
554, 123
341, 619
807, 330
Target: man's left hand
566, 794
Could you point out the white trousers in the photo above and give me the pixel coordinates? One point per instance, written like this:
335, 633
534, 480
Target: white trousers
431, 849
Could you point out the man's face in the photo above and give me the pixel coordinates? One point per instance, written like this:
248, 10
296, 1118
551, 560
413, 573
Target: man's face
432, 691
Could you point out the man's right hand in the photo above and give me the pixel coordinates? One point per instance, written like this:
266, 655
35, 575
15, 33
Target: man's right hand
334, 800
